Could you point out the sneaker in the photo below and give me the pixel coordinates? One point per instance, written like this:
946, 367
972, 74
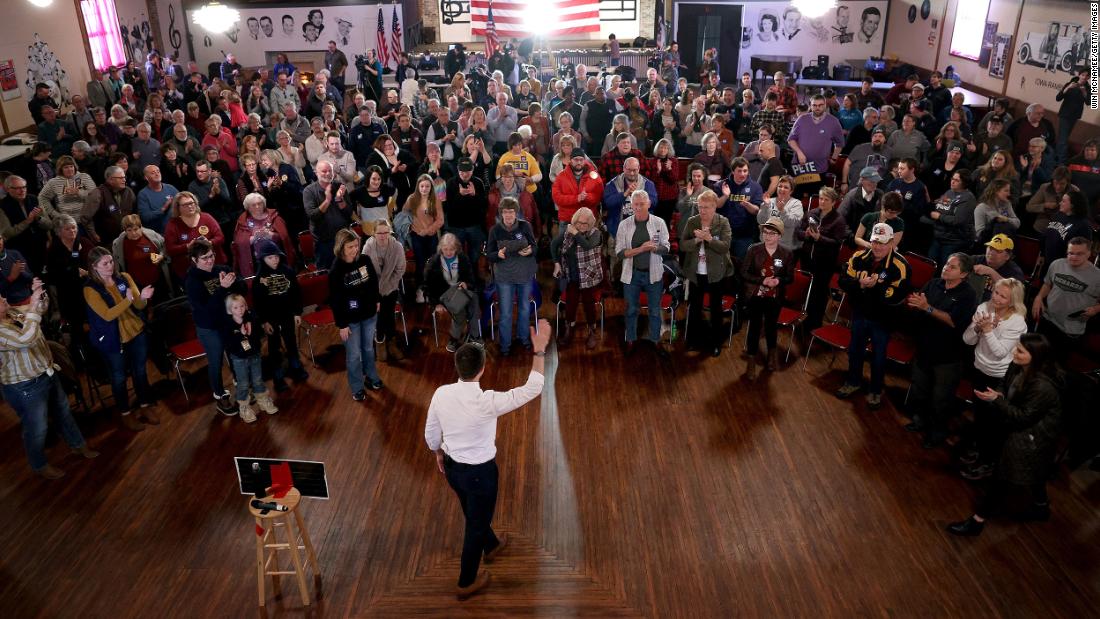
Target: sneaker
359, 396
375, 385
420, 298
846, 391
975, 473
452, 345
247, 414
225, 405
874, 401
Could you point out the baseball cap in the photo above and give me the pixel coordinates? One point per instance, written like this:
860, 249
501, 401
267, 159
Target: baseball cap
870, 173
997, 118
465, 165
878, 130
954, 146
918, 86
882, 233
577, 152
774, 223
1001, 242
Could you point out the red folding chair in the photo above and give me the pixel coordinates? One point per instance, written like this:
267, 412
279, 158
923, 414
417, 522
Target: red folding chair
597, 293
835, 335
307, 249
666, 306
794, 305
922, 269
729, 306
314, 287
183, 344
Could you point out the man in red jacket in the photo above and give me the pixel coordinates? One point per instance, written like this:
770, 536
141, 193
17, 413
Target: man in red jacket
578, 186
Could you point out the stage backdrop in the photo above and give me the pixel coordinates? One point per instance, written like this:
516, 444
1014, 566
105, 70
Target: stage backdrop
618, 17
848, 35
296, 29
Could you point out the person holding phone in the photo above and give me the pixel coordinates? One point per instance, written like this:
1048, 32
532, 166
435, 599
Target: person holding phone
1074, 95
511, 251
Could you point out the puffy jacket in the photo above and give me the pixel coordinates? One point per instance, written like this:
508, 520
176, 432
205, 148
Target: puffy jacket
566, 189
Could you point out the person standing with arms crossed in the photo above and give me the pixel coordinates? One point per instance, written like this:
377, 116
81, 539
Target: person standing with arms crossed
461, 432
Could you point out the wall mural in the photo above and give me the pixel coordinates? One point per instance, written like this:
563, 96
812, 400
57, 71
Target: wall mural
44, 67
174, 30
622, 17
297, 29
854, 31
137, 37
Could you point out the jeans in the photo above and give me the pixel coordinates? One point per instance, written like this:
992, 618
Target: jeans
739, 246
133, 355
360, 353
940, 251
33, 400
520, 294
323, 252
476, 488
249, 374
472, 238
1061, 147
932, 395
423, 248
639, 283
864, 328
211, 342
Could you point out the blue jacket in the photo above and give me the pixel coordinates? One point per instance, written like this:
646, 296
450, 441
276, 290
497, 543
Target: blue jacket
614, 200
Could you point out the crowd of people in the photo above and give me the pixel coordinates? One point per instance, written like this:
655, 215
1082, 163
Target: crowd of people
226, 188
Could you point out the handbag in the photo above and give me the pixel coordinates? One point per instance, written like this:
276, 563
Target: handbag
455, 299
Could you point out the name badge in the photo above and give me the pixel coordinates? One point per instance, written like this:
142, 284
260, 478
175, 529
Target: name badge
363, 272
76, 254
251, 224
245, 346
185, 236
122, 288
112, 209
145, 250
778, 262
353, 304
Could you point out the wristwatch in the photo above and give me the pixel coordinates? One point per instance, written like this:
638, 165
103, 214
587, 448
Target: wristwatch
930, 310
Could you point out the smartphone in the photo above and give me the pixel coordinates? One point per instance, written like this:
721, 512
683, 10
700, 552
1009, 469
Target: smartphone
1077, 314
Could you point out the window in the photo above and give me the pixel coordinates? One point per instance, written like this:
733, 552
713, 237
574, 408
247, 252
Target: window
101, 22
966, 39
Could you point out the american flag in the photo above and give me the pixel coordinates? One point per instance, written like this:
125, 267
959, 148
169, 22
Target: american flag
396, 37
383, 51
513, 18
490, 32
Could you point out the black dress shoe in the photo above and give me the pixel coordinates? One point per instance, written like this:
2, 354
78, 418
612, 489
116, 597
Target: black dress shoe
717, 352
966, 528
917, 425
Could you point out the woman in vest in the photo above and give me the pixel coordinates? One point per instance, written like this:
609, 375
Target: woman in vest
117, 331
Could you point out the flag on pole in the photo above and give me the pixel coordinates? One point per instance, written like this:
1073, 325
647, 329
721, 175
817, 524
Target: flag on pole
383, 51
513, 18
395, 37
492, 44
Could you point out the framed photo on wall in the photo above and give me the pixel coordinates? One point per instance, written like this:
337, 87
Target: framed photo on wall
1002, 49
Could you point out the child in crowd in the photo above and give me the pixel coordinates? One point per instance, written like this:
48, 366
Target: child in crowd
243, 340
278, 301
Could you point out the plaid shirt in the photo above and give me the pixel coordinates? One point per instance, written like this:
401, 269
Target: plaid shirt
788, 99
667, 181
611, 164
774, 118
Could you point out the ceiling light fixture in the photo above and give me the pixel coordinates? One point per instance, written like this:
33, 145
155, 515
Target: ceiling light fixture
814, 8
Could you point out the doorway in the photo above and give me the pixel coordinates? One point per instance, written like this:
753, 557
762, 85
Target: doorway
703, 26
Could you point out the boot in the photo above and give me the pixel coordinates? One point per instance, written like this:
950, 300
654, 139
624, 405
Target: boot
149, 416
263, 400
245, 411
86, 452
393, 350
773, 360
566, 334
751, 368
130, 422
50, 472
592, 340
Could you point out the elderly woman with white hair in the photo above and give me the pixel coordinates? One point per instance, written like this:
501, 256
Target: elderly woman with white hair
255, 223
578, 266
451, 284
619, 124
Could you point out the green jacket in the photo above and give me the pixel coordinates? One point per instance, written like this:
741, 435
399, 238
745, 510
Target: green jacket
719, 264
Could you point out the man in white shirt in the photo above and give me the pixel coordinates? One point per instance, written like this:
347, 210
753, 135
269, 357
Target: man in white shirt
461, 431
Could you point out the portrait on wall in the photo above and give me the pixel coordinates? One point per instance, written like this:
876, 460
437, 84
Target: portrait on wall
266, 26
253, 25
768, 27
792, 23
1058, 47
316, 18
1002, 49
343, 29
288, 30
840, 27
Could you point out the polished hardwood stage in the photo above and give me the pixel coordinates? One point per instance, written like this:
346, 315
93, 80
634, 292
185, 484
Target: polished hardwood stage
634, 487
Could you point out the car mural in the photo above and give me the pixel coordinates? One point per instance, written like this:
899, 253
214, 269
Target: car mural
1035, 47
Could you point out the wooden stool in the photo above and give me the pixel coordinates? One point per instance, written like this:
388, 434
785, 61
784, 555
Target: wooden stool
267, 543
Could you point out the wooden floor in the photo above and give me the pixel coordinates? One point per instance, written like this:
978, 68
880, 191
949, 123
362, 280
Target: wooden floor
634, 487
